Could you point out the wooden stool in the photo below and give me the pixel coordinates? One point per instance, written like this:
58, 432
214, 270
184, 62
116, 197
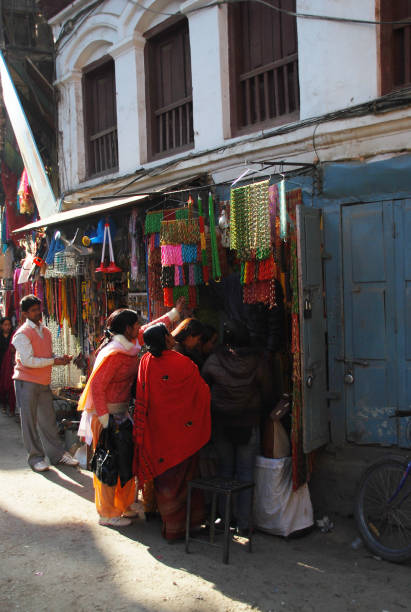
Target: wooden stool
218, 486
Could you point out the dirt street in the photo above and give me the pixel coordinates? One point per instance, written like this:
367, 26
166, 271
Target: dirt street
55, 557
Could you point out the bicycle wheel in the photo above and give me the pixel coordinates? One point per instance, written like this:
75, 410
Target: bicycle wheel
383, 512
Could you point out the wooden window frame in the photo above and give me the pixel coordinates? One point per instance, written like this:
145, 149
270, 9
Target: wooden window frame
235, 79
166, 27
87, 134
386, 49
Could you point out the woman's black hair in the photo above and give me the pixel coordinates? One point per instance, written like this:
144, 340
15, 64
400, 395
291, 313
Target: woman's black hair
3, 319
208, 333
117, 323
155, 339
236, 334
188, 327
28, 301
120, 319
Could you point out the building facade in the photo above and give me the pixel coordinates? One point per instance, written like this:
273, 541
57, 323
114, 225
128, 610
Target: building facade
153, 95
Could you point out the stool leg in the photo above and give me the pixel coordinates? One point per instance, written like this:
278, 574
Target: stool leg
213, 513
251, 522
188, 517
227, 519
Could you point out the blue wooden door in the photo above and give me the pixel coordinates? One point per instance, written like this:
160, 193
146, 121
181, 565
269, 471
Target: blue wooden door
312, 333
402, 232
375, 338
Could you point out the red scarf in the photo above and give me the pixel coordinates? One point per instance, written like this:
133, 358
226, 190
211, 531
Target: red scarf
172, 417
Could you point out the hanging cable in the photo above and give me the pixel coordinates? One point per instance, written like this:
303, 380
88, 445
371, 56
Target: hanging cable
67, 28
279, 10
323, 17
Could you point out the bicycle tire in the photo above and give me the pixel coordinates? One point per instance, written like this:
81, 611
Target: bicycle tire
376, 514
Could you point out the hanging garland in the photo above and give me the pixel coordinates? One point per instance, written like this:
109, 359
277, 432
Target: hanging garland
203, 242
250, 221
173, 256
180, 231
216, 270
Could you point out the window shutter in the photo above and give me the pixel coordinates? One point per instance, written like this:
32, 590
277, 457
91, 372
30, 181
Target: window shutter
101, 119
395, 45
169, 107
264, 61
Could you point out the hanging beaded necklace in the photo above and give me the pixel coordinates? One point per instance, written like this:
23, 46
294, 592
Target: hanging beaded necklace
250, 221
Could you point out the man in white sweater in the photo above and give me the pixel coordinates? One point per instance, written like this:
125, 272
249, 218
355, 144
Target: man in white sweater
32, 377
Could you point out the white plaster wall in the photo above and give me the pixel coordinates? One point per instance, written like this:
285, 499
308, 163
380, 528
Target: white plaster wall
71, 131
128, 127
337, 61
205, 47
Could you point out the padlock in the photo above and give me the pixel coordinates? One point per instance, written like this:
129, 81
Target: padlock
307, 309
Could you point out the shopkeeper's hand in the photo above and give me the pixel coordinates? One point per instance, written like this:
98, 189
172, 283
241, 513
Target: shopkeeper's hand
62, 361
180, 304
104, 418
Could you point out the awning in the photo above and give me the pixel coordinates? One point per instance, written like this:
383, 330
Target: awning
77, 213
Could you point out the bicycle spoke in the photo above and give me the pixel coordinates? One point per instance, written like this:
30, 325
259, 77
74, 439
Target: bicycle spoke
384, 510
403, 521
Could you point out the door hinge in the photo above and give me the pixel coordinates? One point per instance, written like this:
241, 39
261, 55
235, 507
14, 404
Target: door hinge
325, 255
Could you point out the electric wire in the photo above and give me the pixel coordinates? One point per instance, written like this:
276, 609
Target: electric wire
279, 10
68, 30
382, 104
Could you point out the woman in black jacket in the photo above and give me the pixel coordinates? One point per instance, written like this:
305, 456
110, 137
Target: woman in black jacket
240, 384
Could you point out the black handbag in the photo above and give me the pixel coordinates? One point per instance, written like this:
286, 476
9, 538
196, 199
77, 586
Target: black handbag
104, 463
123, 442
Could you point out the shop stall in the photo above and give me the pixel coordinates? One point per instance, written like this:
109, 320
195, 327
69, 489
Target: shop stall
241, 257
243, 253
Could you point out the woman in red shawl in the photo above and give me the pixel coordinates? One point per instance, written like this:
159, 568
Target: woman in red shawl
171, 423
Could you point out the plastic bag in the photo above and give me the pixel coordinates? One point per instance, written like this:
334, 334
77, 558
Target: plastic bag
276, 443
277, 508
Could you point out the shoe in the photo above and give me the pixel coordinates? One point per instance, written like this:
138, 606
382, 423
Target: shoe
200, 532
114, 521
41, 466
130, 513
17, 418
243, 532
220, 525
67, 459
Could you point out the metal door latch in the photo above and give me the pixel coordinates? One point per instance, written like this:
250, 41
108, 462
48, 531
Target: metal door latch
307, 309
360, 362
348, 378
309, 381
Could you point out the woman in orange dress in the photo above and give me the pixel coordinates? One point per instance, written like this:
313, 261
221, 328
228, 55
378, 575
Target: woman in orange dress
106, 395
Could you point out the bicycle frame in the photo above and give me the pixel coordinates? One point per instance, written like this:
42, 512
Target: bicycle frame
402, 482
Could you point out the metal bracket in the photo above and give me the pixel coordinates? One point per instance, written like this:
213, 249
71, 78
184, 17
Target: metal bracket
360, 362
333, 395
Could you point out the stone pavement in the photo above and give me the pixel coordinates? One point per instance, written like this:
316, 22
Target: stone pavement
54, 557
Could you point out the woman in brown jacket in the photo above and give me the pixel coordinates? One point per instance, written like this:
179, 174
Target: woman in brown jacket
240, 385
